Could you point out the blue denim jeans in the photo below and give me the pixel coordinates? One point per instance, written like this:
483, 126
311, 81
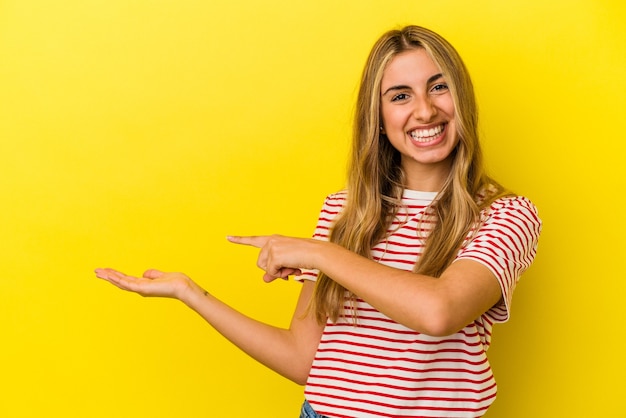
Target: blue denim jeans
308, 412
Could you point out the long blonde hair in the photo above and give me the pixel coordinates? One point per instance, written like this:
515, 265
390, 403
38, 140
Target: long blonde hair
376, 181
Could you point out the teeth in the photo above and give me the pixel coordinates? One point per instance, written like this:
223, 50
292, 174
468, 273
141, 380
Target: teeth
425, 135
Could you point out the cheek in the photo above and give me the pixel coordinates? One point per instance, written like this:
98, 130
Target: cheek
392, 118
453, 131
384, 115
448, 107
455, 138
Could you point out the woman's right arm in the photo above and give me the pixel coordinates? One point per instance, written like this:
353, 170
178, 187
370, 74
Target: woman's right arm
289, 352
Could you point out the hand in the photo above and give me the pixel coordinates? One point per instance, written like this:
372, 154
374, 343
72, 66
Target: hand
280, 256
152, 283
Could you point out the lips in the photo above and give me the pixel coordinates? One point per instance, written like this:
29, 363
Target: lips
427, 135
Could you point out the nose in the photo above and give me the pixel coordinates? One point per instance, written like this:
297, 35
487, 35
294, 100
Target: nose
424, 110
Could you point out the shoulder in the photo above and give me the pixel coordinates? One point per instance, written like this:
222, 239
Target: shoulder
335, 202
506, 239
332, 207
519, 207
338, 198
510, 221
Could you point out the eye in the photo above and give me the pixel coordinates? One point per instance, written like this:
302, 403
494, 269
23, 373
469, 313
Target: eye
439, 88
399, 96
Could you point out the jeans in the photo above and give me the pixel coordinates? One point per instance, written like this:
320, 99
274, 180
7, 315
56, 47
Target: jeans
308, 412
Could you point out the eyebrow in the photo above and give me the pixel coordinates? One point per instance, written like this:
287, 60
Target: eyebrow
403, 87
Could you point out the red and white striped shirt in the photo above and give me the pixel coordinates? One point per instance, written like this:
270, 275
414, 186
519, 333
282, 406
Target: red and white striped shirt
380, 368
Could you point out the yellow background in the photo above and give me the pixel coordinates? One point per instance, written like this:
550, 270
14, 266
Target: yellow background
137, 134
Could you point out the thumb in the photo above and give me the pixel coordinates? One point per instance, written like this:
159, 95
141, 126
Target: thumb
152, 274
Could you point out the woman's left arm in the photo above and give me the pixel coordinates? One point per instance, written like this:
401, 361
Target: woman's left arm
433, 306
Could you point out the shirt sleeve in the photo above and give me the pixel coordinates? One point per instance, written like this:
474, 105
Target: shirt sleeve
333, 204
506, 243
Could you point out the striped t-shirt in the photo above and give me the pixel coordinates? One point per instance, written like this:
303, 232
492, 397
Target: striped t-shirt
380, 368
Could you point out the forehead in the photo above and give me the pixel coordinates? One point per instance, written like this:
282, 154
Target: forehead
409, 67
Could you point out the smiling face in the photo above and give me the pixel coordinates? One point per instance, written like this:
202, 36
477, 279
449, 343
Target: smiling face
418, 118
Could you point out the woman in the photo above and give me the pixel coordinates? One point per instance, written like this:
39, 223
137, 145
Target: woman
409, 267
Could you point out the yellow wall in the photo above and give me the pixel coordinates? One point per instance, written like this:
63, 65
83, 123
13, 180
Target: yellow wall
137, 133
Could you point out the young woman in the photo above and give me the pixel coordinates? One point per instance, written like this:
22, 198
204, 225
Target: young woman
409, 267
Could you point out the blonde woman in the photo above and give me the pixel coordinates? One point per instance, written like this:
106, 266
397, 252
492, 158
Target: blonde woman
409, 267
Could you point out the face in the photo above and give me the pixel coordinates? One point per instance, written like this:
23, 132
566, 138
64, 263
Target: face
418, 118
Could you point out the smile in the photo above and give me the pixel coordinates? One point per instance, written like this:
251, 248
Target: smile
427, 135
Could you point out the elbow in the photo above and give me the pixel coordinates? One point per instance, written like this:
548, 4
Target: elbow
437, 327
300, 380
299, 377
298, 372
440, 320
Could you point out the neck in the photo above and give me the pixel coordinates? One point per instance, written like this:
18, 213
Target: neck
427, 178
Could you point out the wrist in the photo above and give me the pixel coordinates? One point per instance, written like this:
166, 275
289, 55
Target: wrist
321, 253
190, 292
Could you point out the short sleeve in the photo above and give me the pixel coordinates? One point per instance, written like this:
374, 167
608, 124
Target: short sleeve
333, 205
506, 243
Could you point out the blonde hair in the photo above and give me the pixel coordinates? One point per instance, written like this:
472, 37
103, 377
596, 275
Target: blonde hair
376, 181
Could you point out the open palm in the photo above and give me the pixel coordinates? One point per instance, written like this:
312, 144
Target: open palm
151, 283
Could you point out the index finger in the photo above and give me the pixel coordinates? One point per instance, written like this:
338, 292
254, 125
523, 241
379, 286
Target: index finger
254, 241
